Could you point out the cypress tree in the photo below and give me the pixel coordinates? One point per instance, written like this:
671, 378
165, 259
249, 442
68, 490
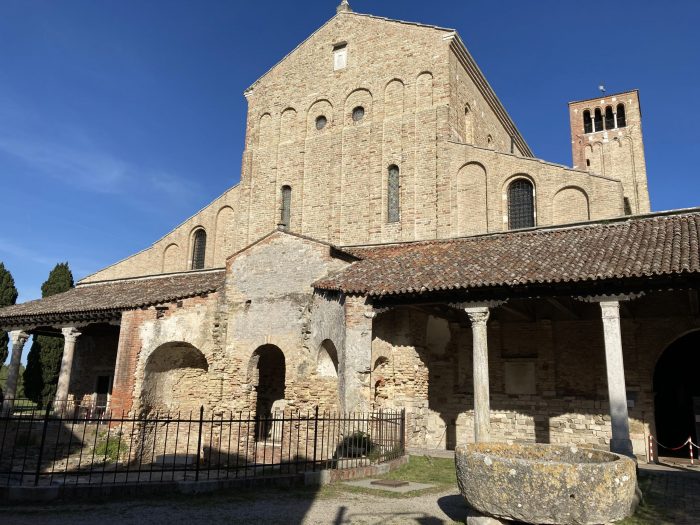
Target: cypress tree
8, 296
44, 359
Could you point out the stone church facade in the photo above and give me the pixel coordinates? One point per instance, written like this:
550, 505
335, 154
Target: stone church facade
394, 243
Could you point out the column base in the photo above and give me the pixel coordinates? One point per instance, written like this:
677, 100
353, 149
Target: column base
622, 446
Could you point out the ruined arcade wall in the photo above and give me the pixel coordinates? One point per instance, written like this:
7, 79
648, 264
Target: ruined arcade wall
548, 379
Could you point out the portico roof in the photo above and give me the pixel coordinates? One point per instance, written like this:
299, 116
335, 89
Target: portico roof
98, 300
649, 246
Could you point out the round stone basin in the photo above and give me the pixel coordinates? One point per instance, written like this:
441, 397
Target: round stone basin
539, 483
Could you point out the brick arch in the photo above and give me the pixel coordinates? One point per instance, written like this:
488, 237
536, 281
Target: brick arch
288, 125
267, 374
504, 192
319, 107
190, 248
174, 378
394, 98
172, 258
570, 204
327, 360
223, 234
424, 90
265, 130
471, 199
358, 97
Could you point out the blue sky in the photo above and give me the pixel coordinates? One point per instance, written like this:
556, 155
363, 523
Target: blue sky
118, 119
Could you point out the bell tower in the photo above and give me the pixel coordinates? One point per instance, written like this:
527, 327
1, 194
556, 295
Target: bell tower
606, 139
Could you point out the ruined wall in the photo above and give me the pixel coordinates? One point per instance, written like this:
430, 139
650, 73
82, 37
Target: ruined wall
270, 301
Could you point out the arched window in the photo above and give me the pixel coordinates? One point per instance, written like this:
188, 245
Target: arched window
587, 122
598, 120
521, 204
621, 121
199, 247
286, 215
609, 118
393, 197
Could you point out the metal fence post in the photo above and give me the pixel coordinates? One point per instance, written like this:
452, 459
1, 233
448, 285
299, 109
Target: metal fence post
403, 431
315, 436
41, 445
199, 441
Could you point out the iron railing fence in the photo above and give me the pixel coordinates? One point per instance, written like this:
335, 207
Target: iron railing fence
85, 446
93, 406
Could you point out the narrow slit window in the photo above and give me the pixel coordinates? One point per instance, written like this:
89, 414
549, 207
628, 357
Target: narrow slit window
286, 214
621, 120
587, 122
393, 194
521, 204
199, 248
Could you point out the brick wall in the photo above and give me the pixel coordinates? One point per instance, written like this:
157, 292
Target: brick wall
414, 89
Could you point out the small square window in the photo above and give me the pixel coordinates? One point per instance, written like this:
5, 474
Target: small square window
340, 57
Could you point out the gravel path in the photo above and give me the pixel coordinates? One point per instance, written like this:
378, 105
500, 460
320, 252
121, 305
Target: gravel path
265, 508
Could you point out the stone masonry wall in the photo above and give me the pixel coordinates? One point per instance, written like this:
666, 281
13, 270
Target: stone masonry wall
414, 91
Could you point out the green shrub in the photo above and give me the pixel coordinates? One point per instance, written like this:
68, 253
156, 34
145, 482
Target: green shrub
356, 445
109, 449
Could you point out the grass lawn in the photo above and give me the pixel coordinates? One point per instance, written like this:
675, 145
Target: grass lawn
439, 472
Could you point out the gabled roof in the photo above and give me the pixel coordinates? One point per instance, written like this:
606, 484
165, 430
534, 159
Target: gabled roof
114, 296
344, 13
636, 247
334, 250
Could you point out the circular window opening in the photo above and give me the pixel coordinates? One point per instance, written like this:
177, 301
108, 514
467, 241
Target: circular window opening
321, 122
358, 113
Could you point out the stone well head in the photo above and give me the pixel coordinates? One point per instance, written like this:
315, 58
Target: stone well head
540, 483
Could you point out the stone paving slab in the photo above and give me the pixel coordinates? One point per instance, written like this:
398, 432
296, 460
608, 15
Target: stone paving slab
367, 484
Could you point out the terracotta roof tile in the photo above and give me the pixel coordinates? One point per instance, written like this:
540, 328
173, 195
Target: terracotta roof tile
636, 247
118, 295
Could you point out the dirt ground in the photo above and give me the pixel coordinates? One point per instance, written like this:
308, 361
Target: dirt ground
331, 506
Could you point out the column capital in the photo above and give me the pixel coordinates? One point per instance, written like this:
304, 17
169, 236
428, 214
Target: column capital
478, 314
610, 309
18, 337
70, 334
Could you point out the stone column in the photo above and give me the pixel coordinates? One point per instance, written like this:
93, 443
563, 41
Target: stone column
70, 336
617, 393
17, 340
479, 315
356, 356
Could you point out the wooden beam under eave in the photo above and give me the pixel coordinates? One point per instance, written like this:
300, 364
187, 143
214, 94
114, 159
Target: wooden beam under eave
559, 306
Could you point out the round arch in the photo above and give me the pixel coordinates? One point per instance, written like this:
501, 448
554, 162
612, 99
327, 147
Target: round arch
267, 374
175, 377
677, 393
327, 360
